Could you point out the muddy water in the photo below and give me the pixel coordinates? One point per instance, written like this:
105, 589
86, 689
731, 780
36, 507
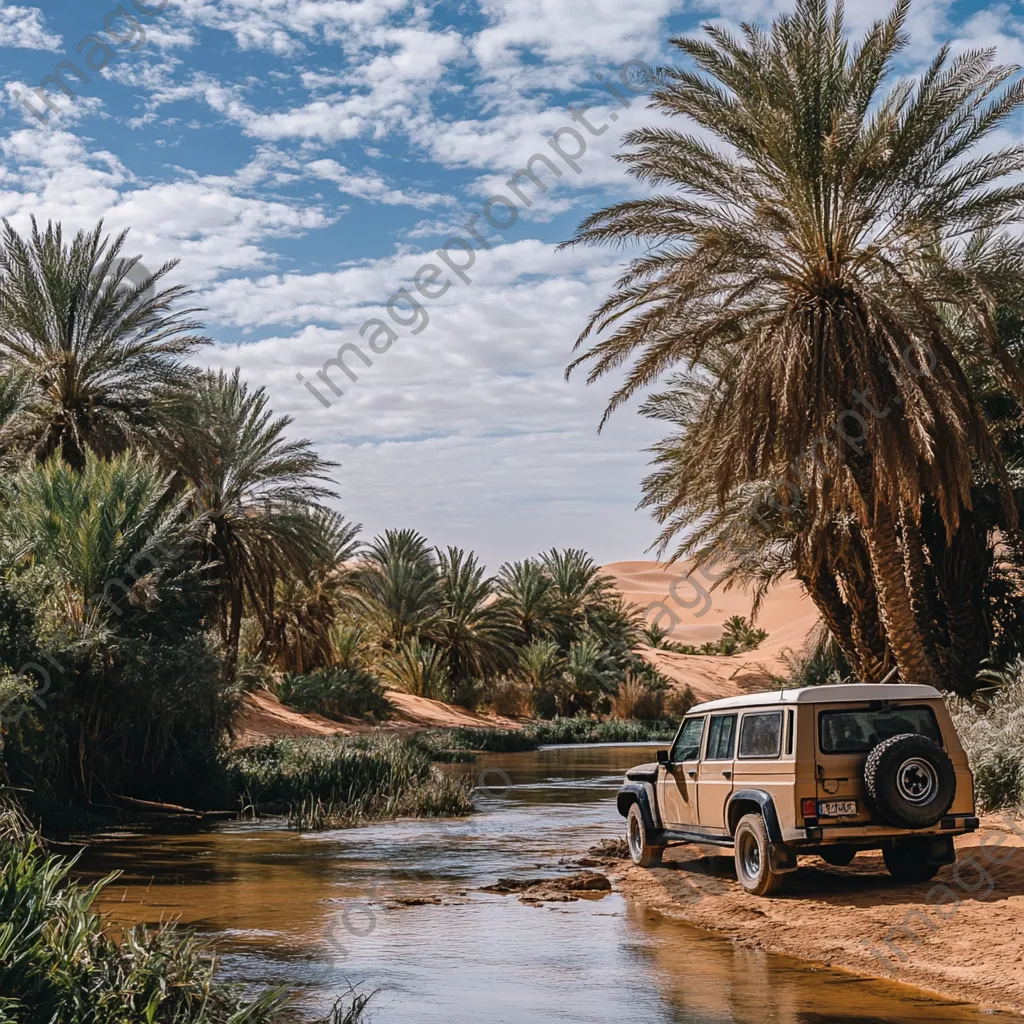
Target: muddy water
321, 912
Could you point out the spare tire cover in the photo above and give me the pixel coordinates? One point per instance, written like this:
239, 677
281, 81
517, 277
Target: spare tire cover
910, 781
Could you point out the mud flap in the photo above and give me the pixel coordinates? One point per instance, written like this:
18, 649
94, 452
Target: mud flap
783, 858
936, 850
941, 850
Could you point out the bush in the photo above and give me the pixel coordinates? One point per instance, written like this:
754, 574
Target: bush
58, 964
637, 698
445, 743
678, 703
991, 733
337, 693
508, 696
332, 782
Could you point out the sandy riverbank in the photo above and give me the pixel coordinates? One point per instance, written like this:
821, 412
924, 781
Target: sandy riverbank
960, 936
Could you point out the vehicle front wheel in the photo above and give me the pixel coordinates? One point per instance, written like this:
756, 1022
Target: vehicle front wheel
908, 862
641, 849
753, 857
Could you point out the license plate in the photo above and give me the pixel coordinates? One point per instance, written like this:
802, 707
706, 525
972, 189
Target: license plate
837, 808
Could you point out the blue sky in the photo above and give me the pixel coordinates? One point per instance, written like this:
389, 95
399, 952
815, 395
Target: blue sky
303, 158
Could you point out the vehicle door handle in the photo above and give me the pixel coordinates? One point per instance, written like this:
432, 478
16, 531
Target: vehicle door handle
692, 774
728, 775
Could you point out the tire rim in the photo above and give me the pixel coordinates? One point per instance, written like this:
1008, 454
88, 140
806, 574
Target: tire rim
917, 781
636, 846
750, 856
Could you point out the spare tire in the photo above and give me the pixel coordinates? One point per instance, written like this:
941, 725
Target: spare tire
910, 781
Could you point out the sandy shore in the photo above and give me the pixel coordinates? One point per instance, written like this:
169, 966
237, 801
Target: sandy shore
960, 936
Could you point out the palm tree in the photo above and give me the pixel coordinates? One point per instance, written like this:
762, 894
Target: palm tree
524, 593
301, 634
474, 631
542, 668
818, 268
417, 668
258, 495
398, 578
105, 546
103, 358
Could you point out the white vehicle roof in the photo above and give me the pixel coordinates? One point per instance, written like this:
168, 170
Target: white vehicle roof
822, 695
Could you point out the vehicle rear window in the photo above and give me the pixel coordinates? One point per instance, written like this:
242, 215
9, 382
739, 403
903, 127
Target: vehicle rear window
761, 735
721, 738
858, 731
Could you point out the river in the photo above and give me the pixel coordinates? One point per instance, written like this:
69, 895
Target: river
318, 913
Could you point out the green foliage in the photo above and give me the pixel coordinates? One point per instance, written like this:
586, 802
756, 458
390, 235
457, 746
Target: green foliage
58, 964
131, 703
738, 637
443, 743
418, 668
333, 782
336, 692
990, 729
96, 359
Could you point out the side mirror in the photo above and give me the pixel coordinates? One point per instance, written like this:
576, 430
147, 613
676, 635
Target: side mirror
662, 757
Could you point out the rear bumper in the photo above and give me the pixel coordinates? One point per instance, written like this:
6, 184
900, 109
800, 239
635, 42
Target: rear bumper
861, 834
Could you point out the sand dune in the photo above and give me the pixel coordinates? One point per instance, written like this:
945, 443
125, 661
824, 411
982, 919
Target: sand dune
262, 715
694, 614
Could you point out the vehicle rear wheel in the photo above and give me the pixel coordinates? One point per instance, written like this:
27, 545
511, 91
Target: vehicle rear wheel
753, 857
839, 855
641, 849
908, 862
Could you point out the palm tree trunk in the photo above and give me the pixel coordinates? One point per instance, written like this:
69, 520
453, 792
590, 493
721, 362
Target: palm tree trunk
852, 564
894, 606
916, 574
962, 564
234, 634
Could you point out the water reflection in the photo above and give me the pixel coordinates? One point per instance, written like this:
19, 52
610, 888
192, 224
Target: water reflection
318, 913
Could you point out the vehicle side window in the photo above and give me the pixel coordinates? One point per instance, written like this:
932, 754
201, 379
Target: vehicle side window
721, 738
761, 735
687, 744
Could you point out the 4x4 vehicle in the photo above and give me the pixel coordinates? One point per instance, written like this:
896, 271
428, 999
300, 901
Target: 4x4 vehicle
826, 770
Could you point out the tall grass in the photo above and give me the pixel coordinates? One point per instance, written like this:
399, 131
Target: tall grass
325, 783
59, 966
556, 731
992, 731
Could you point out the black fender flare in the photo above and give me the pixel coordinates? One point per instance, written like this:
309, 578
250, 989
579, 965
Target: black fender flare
636, 793
768, 812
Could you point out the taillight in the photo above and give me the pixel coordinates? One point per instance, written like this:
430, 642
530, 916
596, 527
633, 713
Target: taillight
809, 807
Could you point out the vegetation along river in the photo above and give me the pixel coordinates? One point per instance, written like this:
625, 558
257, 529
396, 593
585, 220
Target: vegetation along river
324, 910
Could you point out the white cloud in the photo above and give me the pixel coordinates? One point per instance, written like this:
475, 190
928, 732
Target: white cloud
24, 27
204, 221
368, 184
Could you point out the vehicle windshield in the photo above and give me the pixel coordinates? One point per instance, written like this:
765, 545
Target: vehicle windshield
858, 731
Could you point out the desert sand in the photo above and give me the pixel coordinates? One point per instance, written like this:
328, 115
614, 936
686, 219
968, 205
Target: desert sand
960, 936
263, 716
694, 614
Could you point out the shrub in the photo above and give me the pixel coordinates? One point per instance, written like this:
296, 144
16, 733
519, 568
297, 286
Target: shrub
508, 696
337, 693
330, 782
991, 732
637, 698
678, 702
417, 668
